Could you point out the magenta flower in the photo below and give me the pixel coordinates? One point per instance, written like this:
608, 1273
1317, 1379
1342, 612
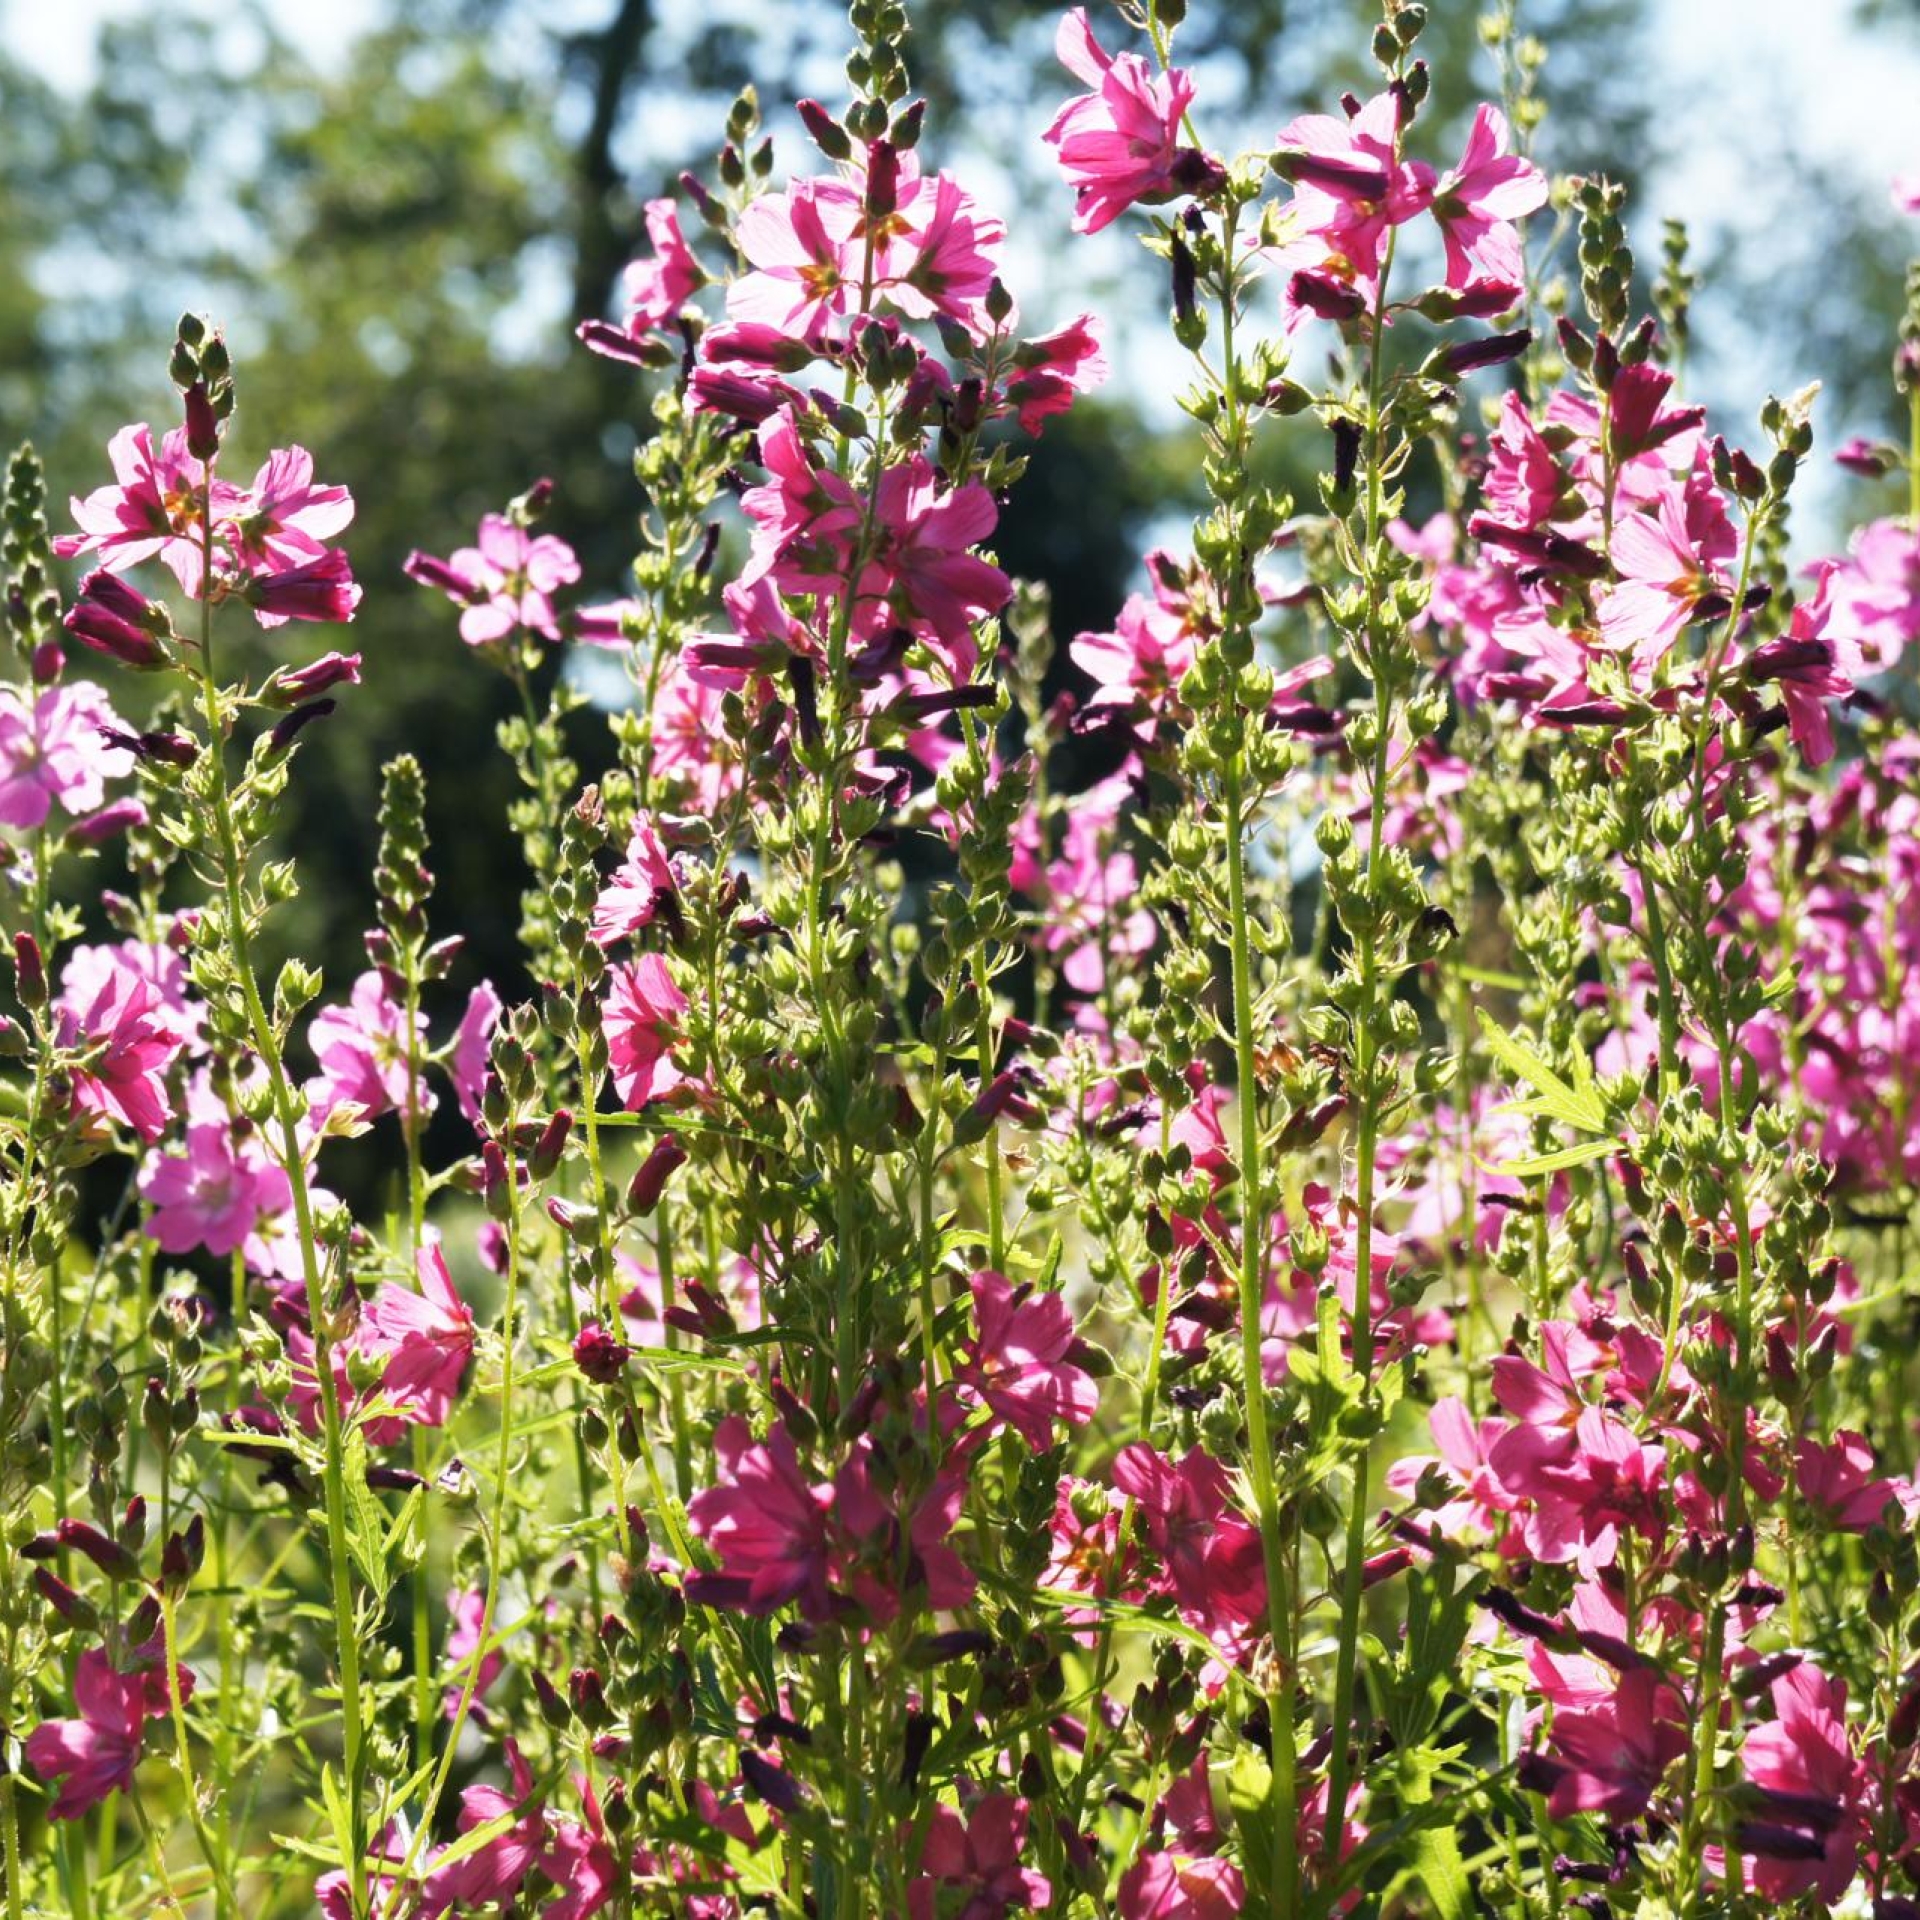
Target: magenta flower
322, 588
970, 1868
1465, 1457
494, 1873
472, 1045
95, 1755
1806, 664
923, 575
504, 583
767, 1523
657, 288
1050, 371
52, 751
642, 1017
284, 520
635, 889
1664, 575
1210, 1554
1805, 1756
1172, 1886
802, 516
806, 271
1476, 203
1839, 1483
129, 1035
1138, 667
466, 1614
1876, 592
1611, 1758
944, 258
362, 1051
1020, 1363
1118, 144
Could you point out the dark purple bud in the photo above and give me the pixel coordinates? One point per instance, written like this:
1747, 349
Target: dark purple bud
169, 749
1523, 1620
598, 1355
73, 1608
824, 130
286, 732
203, 429
1491, 351
29, 972
650, 1180
883, 179
1765, 1841
112, 619
319, 589
428, 570
289, 687
1346, 452
551, 1144
106, 1553
1326, 298
48, 663
1185, 281
588, 1693
181, 1557
1349, 179
772, 1784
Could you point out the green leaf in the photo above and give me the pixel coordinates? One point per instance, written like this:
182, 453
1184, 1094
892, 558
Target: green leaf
1544, 1163
1575, 1105
366, 1517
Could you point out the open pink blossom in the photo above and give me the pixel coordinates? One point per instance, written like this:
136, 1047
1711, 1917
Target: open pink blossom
1118, 144
466, 1615
767, 1523
1808, 1840
1210, 1553
217, 1193
1050, 371
472, 1044
155, 507
130, 1034
974, 1862
53, 753
805, 270
1174, 1886
362, 1051
643, 1017
505, 583
94, 1756
1664, 576
1612, 1758
1020, 1363
284, 520
632, 893
1476, 204
494, 1872
1839, 1482
657, 287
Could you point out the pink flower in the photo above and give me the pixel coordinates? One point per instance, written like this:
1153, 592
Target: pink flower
1138, 667
216, 1194
51, 751
805, 268
1876, 592
1465, 1458
659, 287
1019, 1363
362, 1051
978, 1858
1475, 203
425, 1340
466, 1613
130, 1035
767, 1524
285, 520
1210, 1553
506, 582
633, 892
801, 516
1804, 1756
581, 1860
98, 1752
494, 1873
472, 1049
1904, 193
1118, 144
642, 1017
1171, 1886
1839, 1483
1803, 662
1051, 370
691, 750
1610, 1758
156, 508
1663, 578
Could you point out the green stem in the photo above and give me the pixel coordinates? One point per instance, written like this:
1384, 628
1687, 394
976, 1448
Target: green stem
287, 1113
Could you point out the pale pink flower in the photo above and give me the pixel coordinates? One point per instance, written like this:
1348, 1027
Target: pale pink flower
505, 583
1663, 578
767, 1523
217, 1193
1611, 1758
472, 1049
657, 288
52, 751
1839, 1483
284, 520
155, 508
805, 267
923, 576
